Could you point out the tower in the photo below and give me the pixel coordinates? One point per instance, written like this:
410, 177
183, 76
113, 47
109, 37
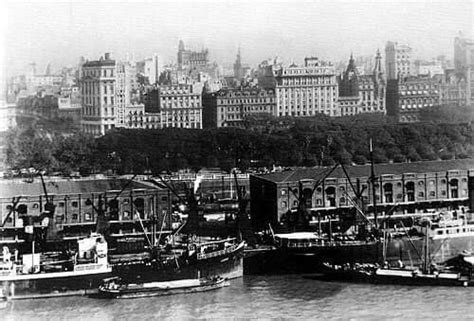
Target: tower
379, 83
349, 85
238, 67
180, 53
397, 60
378, 64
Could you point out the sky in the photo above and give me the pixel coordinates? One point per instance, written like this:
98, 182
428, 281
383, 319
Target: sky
59, 32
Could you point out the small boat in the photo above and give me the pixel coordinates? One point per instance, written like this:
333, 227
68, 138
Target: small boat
371, 273
115, 288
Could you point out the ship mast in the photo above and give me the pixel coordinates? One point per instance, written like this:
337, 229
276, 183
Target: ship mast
372, 179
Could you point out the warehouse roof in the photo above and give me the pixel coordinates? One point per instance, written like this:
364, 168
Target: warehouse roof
11, 188
295, 175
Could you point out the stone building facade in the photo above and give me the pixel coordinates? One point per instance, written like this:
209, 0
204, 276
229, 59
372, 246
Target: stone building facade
106, 88
98, 95
411, 187
308, 90
397, 60
361, 93
75, 201
411, 94
453, 89
190, 60
228, 108
169, 106
464, 64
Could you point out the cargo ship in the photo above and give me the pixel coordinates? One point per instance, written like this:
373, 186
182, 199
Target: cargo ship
184, 261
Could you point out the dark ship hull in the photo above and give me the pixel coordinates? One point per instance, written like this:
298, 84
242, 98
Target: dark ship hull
61, 284
228, 265
128, 291
396, 276
408, 250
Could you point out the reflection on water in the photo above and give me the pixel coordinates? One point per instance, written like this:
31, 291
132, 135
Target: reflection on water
291, 296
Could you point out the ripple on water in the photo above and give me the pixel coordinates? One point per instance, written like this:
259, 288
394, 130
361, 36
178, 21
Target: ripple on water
265, 297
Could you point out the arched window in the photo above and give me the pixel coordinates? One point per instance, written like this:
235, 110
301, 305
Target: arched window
114, 209
410, 191
388, 192
453, 187
308, 197
139, 206
331, 196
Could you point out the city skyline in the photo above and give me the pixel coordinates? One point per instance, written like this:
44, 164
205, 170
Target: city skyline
329, 30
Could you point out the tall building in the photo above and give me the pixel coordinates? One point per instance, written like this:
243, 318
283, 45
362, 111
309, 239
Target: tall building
266, 72
126, 91
150, 69
397, 60
98, 95
106, 87
308, 90
349, 100
238, 70
228, 108
464, 64
453, 89
169, 106
188, 59
372, 88
362, 93
411, 94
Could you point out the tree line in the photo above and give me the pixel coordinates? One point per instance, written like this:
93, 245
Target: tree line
265, 142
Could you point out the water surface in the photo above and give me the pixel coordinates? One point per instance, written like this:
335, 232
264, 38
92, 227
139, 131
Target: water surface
264, 297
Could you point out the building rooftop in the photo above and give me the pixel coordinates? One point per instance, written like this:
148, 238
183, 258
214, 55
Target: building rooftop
364, 170
245, 92
16, 188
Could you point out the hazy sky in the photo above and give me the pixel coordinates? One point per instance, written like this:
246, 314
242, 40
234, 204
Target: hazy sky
61, 31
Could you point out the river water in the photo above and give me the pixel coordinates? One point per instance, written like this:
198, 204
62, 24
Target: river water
264, 297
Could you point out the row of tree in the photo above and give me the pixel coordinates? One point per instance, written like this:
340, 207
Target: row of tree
284, 142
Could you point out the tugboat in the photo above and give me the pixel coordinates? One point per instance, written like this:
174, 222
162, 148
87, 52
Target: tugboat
116, 288
29, 277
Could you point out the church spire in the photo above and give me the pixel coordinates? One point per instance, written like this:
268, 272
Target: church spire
238, 74
378, 63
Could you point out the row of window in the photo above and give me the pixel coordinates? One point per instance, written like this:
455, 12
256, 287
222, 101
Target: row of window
388, 198
106, 72
387, 186
307, 113
246, 108
246, 100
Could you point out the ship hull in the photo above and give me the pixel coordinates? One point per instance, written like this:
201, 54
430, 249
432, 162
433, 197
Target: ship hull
408, 250
130, 293
441, 249
229, 266
394, 276
43, 287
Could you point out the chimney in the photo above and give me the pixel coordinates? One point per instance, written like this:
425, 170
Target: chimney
107, 56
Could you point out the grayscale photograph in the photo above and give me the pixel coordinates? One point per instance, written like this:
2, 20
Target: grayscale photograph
229, 160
